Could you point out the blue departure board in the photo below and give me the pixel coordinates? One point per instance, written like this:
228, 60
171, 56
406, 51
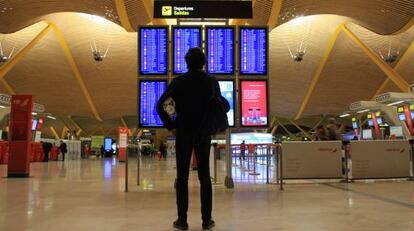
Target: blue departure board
149, 94
153, 47
253, 51
220, 50
184, 38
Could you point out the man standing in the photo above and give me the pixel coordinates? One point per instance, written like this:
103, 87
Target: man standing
47, 147
63, 149
191, 93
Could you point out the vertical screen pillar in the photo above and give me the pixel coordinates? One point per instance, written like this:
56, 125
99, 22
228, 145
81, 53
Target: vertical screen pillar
122, 142
20, 136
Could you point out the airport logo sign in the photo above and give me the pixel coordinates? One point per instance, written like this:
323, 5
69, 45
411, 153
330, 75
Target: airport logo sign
203, 9
166, 10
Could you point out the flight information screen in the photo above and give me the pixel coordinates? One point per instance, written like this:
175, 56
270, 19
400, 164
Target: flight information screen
153, 47
184, 38
227, 91
253, 102
220, 50
150, 92
253, 51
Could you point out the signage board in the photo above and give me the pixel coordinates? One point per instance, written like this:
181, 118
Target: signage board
150, 92
203, 9
184, 38
153, 50
253, 50
220, 50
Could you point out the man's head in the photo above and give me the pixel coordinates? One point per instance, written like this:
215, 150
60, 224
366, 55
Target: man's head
195, 58
331, 120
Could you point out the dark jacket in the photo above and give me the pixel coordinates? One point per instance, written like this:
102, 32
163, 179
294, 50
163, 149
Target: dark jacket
191, 93
63, 148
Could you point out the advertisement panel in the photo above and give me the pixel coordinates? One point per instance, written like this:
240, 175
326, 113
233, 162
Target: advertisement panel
227, 91
97, 141
312, 160
380, 159
254, 106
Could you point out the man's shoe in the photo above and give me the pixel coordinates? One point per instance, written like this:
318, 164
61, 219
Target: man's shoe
180, 225
208, 224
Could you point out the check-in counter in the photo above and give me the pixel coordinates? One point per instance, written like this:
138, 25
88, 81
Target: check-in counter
312, 160
380, 159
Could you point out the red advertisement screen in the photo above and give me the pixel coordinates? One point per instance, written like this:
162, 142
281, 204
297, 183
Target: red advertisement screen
254, 103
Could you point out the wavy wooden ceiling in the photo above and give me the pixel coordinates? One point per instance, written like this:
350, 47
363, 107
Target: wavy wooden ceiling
348, 74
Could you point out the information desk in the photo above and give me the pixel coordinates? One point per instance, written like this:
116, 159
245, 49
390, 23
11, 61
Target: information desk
312, 160
380, 159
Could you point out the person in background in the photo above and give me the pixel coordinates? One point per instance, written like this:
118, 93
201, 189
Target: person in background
102, 151
63, 149
321, 133
47, 147
251, 149
243, 150
332, 130
163, 150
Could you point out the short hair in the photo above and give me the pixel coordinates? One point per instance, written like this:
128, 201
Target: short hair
195, 58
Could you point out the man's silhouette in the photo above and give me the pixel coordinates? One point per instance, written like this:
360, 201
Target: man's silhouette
191, 93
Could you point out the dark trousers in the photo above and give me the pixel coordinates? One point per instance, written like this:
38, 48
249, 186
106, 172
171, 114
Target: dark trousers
46, 158
63, 156
184, 148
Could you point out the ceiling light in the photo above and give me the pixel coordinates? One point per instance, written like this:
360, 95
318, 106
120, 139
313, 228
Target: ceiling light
301, 19
344, 115
51, 117
395, 103
366, 110
1, 106
34, 113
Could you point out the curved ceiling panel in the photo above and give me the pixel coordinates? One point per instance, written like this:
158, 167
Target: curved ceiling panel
381, 16
22, 13
115, 78
349, 76
45, 74
289, 80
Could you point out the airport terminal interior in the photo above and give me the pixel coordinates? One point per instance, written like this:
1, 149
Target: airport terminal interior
321, 119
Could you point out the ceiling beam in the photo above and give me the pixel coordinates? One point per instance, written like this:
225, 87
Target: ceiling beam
149, 8
123, 15
300, 129
9, 65
387, 69
397, 66
7, 86
284, 128
53, 130
317, 74
75, 70
64, 132
80, 130
274, 15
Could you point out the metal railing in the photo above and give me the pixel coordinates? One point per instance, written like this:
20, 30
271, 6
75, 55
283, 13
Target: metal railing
132, 150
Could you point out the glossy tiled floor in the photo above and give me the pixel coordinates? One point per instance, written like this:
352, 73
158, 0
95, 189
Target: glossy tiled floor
88, 195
